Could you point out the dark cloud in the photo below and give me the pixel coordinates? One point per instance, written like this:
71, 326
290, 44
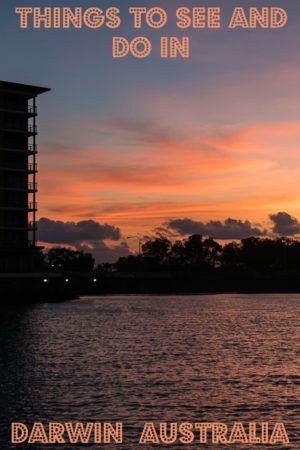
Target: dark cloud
285, 224
229, 229
85, 235
59, 232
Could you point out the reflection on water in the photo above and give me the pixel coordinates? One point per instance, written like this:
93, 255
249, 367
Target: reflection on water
166, 358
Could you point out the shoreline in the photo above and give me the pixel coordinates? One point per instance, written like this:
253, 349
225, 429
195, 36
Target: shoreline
58, 287
20, 301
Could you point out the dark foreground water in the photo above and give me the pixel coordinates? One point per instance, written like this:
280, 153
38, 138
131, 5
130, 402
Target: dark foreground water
152, 358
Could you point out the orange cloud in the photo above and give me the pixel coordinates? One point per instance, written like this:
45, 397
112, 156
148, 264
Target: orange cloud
143, 173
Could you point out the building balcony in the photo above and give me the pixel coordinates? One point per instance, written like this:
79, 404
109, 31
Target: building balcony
29, 168
32, 168
30, 150
31, 187
32, 129
29, 130
17, 206
28, 110
32, 206
31, 226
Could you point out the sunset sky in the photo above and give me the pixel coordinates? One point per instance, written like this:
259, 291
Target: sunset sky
153, 145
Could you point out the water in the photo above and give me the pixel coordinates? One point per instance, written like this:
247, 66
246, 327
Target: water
152, 358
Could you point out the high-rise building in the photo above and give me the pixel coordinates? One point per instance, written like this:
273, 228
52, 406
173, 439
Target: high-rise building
18, 169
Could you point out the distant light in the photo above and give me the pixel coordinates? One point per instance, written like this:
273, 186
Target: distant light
52, 265
67, 280
95, 280
45, 280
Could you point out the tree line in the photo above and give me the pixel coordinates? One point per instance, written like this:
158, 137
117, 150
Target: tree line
193, 253
196, 252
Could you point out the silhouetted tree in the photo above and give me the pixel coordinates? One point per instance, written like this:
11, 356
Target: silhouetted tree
230, 256
176, 255
193, 250
213, 251
158, 250
253, 254
262, 254
292, 253
64, 259
129, 263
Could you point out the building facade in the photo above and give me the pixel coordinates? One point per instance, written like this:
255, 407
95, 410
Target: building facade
18, 169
